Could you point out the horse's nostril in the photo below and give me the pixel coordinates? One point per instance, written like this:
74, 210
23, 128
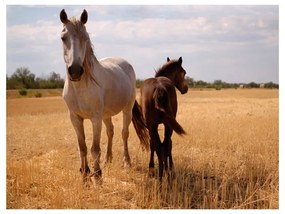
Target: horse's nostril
75, 70
69, 70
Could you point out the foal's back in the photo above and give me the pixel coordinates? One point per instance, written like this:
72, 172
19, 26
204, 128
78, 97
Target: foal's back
158, 97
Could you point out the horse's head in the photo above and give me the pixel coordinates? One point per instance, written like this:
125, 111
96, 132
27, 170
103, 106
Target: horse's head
74, 39
177, 74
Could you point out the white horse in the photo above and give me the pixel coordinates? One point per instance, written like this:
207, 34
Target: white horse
97, 90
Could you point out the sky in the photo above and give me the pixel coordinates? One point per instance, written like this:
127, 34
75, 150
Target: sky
237, 44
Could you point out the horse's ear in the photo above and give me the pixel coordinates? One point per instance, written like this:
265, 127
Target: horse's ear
168, 59
180, 60
63, 16
84, 17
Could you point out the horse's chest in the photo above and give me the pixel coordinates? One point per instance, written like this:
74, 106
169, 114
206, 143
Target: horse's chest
82, 105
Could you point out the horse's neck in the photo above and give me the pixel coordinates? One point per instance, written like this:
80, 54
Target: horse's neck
91, 67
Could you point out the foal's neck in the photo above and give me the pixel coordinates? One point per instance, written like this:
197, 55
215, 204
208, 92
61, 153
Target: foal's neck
169, 75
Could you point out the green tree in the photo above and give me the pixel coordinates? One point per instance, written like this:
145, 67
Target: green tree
55, 80
252, 85
201, 84
190, 81
22, 78
271, 85
139, 82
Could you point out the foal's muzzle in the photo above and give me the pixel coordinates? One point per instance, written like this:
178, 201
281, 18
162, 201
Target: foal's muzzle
184, 89
75, 72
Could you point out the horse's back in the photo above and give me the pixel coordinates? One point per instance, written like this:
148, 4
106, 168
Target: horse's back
116, 62
119, 85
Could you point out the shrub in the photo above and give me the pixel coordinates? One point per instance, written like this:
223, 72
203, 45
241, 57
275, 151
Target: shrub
218, 87
23, 92
38, 94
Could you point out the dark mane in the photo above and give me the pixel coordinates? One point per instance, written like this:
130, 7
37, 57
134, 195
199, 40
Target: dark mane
166, 68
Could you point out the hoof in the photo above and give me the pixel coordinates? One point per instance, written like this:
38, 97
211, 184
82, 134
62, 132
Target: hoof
171, 175
86, 176
98, 181
127, 163
87, 182
107, 161
108, 158
98, 177
151, 172
87, 170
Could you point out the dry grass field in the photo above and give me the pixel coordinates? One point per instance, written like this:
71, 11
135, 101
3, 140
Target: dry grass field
228, 159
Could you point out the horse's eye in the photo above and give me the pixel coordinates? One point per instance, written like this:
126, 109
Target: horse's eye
63, 38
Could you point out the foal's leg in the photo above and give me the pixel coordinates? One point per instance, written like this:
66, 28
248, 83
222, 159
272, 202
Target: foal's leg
127, 118
95, 149
167, 144
77, 123
110, 133
159, 150
168, 148
152, 149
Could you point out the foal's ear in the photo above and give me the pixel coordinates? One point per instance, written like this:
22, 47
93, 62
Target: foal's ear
168, 59
180, 60
84, 17
63, 16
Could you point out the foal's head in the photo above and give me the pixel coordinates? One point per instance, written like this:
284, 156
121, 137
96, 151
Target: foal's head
75, 40
173, 70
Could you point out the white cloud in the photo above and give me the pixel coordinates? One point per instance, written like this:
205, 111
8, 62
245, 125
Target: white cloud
206, 37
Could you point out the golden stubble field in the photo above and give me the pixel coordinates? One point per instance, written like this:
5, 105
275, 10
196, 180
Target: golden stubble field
228, 159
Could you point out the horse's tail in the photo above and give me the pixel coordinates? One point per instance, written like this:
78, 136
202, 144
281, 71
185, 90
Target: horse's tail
161, 102
140, 126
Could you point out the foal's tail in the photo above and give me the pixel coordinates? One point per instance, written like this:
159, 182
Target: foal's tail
161, 103
140, 126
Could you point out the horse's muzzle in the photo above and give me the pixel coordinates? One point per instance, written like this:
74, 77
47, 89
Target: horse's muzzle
75, 72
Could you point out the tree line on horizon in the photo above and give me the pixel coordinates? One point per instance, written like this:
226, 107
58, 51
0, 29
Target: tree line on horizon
23, 78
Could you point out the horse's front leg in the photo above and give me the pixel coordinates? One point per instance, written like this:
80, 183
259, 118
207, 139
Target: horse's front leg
95, 149
77, 123
127, 118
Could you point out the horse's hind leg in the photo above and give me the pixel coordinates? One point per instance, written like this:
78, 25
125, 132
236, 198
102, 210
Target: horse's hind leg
127, 118
151, 161
77, 123
110, 133
171, 167
167, 144
152, 149
155, 139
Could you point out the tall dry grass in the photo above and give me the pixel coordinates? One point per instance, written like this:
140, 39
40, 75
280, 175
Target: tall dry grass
229, 158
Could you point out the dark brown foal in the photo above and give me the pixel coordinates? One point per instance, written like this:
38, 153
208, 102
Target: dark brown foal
159, 106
